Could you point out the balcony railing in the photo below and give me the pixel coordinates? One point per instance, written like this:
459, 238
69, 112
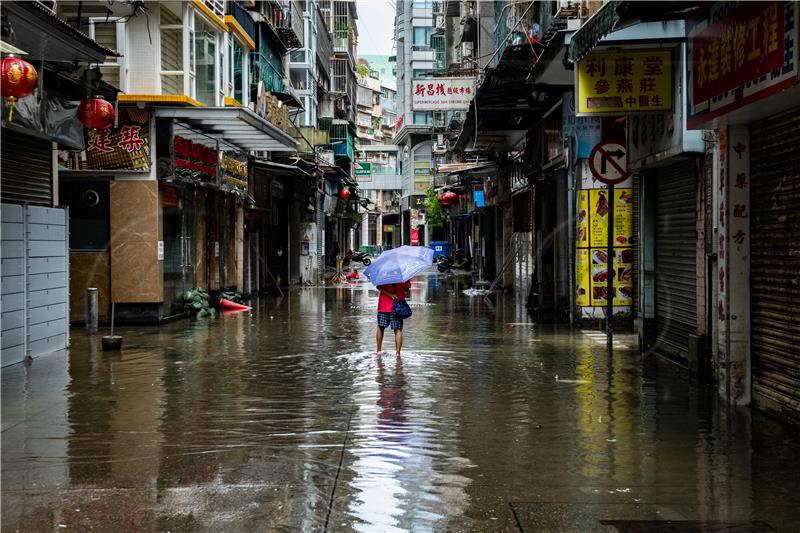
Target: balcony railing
341, 137
244, 19
323, 43
286, 18
261, 69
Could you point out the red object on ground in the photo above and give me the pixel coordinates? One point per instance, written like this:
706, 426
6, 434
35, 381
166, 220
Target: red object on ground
96, 113
352, 275
228, 305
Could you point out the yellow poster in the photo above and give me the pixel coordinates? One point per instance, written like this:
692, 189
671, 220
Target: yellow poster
625, 82
582, 220
583, 286
623, 217
623, 279
599, 275
598, 217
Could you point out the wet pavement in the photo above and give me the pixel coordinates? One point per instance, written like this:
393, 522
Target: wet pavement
283, 419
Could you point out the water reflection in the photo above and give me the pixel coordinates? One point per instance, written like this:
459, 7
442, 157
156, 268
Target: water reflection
281, 419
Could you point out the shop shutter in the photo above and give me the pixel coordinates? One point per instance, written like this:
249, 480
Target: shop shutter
775, 264
26, 170
676, 285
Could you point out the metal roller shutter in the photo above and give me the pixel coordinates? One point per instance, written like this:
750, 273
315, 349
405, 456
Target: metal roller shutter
26, 170
637, 201
775, 264
676, 285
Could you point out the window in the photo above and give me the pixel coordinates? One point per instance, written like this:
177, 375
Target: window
171, 53
238, 78
110, 34
204, 44
422, 117
422, 36
422, 4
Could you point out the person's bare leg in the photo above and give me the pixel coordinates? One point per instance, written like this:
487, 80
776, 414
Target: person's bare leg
379, 338
398, 340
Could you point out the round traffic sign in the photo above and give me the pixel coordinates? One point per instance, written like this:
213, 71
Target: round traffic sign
607, 162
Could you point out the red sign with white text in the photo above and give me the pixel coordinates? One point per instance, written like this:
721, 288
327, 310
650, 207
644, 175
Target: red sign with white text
744, 45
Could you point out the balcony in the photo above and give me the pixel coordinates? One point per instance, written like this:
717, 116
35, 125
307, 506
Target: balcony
422, 53
344, 29
240, 15
286, 18
341, 137
324, 49
266, 70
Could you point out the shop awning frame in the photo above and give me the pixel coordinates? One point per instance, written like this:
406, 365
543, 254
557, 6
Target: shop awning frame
235, 125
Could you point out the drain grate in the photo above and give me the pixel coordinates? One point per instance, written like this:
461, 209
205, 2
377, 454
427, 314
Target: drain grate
687, 526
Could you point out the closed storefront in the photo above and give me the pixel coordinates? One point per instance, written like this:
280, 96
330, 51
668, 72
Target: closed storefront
675, 258
27, 164
775, 264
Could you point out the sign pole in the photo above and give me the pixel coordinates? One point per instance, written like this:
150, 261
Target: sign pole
610, 268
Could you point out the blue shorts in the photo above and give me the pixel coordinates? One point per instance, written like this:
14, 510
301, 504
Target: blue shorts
389, 320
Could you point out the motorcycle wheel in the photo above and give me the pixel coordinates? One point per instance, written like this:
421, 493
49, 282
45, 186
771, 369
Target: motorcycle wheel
441, 268
367, 261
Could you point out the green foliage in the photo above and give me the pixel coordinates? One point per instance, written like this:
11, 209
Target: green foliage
362, 70
433, 209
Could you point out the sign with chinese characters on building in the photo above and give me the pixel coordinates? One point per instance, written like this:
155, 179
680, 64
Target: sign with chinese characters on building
738, 53
194, 161
442, 94
624, 82
126, 147
234, 169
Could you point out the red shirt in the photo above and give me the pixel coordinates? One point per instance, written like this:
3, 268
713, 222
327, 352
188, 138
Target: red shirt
385, 303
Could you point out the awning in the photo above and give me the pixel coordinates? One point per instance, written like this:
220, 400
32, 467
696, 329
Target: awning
279, 169
236, 125
619, 14
45, 36
595, 28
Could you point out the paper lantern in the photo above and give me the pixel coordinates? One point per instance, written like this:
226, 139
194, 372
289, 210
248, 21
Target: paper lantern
449, 198
344, 194
19, 79
96, 113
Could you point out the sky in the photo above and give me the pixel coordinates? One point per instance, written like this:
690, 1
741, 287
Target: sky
375, 27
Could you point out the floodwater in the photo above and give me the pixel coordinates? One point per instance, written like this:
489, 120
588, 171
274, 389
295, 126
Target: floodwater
284, 419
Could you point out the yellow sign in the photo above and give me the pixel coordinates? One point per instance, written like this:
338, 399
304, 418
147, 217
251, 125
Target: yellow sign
598, 217
624, 82
583, 286
582, 220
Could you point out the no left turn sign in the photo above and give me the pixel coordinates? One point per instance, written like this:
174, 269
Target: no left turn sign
607, 162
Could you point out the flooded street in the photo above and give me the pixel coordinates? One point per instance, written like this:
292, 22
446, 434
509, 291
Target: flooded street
284, 419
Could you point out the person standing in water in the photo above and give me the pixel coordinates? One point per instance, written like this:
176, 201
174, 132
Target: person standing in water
390, 293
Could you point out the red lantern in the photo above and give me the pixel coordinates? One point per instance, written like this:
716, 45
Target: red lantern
344, 194
96, 113
449, 198
19, 79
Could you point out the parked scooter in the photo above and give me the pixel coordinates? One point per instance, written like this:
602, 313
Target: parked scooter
360, 257
446, 263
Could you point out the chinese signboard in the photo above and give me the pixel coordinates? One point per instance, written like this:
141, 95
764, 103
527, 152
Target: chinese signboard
624, 82
126, 147
234, 167
193, 160
739, 53
442, 94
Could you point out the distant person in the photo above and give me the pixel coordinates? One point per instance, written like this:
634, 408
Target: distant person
390, 293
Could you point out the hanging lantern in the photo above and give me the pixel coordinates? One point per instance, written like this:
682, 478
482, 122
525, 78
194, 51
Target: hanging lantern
19, 79
96, 113
449, 198
344, 194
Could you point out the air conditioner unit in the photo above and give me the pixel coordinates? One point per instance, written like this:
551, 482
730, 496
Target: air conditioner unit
466, 50
440, 21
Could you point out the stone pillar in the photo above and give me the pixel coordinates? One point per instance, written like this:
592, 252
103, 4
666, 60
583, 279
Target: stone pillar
733, 306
